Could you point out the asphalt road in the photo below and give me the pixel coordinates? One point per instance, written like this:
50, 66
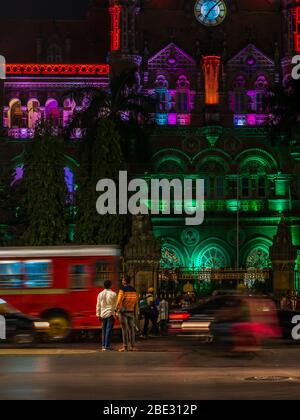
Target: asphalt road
161, 369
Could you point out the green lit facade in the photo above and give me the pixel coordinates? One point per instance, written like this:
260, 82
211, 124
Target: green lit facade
248, 187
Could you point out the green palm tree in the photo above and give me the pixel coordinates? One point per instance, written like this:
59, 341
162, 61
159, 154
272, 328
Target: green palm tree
125, 105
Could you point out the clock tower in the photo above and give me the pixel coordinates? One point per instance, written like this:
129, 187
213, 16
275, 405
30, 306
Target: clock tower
123, 34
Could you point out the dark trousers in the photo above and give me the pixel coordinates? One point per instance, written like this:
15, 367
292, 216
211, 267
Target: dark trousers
150, 316
107, 328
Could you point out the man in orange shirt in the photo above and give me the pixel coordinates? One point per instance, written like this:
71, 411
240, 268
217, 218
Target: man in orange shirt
126, 303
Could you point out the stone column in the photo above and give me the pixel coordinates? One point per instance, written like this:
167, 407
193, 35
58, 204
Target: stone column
283, 255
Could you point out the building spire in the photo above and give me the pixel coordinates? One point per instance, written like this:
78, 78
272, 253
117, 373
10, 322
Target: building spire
283, 248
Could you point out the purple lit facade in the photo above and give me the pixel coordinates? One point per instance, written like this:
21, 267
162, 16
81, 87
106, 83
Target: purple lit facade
172, 76
29, 99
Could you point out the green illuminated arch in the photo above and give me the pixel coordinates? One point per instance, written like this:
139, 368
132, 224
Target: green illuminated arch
258, 258
259, 156
256, 253
215, 154
170, 164
213, 253
170, 153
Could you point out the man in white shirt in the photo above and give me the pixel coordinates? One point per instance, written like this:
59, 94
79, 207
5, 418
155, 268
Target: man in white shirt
105, 311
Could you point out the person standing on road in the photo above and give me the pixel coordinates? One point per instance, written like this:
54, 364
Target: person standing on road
126, 305
105, 311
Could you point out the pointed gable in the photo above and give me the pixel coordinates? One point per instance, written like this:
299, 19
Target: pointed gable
171, 59
251, 59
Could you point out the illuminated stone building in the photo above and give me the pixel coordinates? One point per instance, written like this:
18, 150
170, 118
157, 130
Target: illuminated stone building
210, 64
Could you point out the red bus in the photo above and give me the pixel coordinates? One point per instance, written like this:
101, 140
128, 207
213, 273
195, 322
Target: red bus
59, 284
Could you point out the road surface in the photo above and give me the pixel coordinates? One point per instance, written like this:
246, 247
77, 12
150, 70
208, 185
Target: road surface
161, 369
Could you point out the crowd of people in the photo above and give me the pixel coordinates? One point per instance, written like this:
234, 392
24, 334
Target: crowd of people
152, 314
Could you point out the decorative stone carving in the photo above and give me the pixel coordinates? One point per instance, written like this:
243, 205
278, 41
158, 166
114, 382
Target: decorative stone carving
143, 249
283, 255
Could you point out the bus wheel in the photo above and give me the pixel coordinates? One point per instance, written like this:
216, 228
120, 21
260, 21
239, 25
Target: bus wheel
60, 327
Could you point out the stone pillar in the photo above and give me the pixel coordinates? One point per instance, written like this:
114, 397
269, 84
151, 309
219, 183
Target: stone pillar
142, 254
283, 255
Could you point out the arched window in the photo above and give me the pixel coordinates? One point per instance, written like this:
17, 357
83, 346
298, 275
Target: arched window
254, 181
239, 96
34, 113
54, 54
261, 186
52, 112
258, 258
212, 257
261, 83
245, 187
206, 186
183, 95
161, 90
259, 104
219, 186
213, 172
15, 114
68, 111
170, 166
183, 101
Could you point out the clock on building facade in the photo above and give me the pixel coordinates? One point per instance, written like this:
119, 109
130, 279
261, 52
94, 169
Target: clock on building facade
210, 12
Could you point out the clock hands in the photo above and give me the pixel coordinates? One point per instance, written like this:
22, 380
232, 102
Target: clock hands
211, 9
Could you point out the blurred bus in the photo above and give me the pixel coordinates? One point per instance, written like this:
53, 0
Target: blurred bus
59, 284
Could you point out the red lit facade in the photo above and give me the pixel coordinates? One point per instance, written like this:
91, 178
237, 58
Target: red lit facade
115, 34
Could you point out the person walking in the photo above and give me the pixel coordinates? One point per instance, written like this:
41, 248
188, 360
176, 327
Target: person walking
105, 311
126, 304
151, 313
163, 317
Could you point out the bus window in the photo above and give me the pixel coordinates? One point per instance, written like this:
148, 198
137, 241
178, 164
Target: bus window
79, 277
104, 271
11, 275
37, 274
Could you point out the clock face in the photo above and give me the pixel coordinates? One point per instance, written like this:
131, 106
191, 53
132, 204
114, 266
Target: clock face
210, 12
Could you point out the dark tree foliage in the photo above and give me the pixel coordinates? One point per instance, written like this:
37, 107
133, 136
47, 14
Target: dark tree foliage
284, 104
44, 203
11, 222
101, 157
125, 105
